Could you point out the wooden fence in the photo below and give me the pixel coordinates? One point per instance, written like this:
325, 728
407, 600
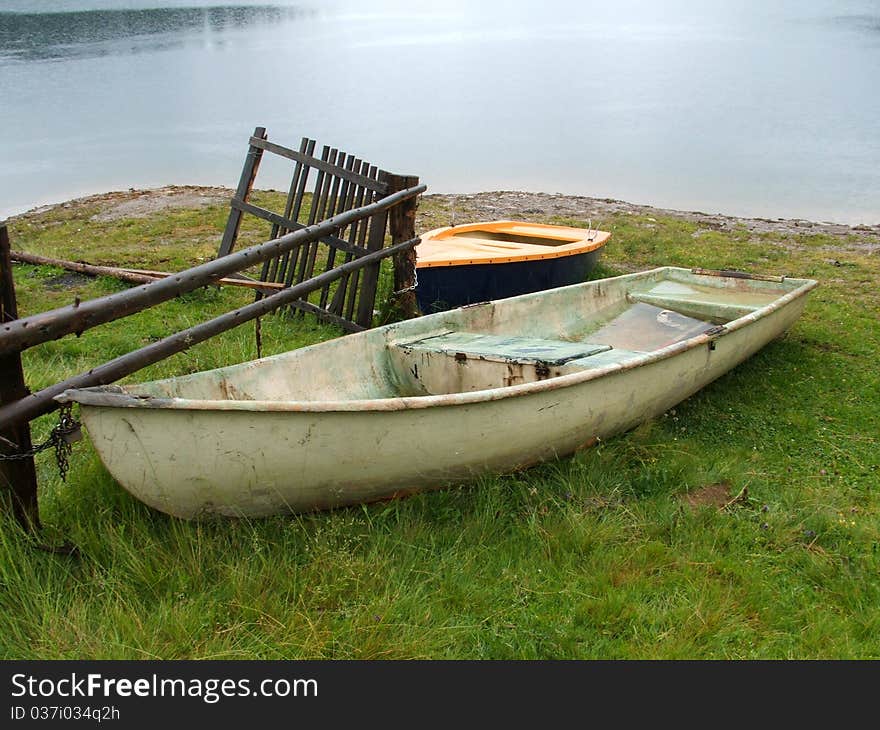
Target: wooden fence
338, 181
359, 207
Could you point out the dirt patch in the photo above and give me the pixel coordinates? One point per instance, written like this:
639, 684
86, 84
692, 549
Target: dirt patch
66, 281
714, 495
143, 203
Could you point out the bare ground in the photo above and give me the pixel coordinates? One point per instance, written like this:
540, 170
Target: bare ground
134, 203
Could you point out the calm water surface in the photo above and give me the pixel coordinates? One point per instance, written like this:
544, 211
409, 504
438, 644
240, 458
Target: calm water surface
750, 108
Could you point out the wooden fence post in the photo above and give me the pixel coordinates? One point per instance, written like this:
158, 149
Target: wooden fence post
403, 228
18, 477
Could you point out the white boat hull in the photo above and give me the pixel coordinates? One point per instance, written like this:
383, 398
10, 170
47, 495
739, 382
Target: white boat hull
247, 457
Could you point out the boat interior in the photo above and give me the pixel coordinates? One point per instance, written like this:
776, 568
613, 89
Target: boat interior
493, 345
504, 241
494, 236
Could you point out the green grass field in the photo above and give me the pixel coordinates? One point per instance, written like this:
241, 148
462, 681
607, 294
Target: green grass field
633, 549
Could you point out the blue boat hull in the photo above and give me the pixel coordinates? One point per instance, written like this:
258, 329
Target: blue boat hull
446, 287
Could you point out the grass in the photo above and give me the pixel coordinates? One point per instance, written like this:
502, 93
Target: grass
593, 556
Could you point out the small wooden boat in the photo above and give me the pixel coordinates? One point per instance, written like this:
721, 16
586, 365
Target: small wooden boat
478, 262
435, 400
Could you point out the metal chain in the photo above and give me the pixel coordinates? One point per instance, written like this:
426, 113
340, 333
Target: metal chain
62, 438
409, 288
30, 452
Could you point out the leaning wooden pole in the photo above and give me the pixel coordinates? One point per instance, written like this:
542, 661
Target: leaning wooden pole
133, 276
46, 326
18, 477
81, 268
43, 401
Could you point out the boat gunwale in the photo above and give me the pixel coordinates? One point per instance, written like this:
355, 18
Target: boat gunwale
103, 396
580, 245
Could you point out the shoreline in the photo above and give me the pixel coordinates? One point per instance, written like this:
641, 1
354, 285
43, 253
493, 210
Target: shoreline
488, 205
498, 204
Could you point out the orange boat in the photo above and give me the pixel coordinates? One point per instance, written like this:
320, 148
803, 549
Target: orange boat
479, 262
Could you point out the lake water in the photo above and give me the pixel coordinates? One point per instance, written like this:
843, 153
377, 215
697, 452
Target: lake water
749, 108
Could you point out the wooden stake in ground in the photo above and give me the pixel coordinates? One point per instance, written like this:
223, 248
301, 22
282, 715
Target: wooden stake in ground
403, 228
18, 477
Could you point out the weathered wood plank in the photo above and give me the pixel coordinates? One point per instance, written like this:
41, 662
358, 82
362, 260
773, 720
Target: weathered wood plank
370, 275
319, 208
294, 183
323, 165
301, 180
344, 202
363, 230
359, 193
270, 268
329, 204
294, 277
245, 183
340, 297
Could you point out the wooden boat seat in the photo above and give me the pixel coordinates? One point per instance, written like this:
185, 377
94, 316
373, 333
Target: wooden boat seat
459, 362
505, 348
